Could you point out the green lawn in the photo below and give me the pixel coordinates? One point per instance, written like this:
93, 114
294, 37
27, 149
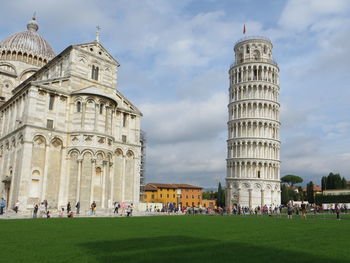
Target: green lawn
175, 239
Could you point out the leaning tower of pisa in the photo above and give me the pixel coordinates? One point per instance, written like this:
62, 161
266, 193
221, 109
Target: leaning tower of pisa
253, 145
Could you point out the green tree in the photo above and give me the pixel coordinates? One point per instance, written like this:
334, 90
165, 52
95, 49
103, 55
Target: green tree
220, 198
310, 192
291, 179
333, 181
324, 183
344, 183
284, 194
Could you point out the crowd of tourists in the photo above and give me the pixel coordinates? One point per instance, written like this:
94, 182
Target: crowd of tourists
41, 210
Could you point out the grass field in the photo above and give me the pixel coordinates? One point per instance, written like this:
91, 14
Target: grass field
175, 239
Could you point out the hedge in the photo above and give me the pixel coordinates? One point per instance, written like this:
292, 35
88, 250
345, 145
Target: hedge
331, 199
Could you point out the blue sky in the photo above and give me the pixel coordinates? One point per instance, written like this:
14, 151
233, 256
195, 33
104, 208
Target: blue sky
175, 56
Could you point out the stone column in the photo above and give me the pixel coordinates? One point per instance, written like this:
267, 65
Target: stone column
15, 177
262, 198
229, 197
83, 110
250, 197
46, 166
62, 190
123, 179
111, 180
93, 173
105, 172
80, 163
25, 177
238, 195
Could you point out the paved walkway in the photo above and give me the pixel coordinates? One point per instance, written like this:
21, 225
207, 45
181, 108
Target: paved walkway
28, 214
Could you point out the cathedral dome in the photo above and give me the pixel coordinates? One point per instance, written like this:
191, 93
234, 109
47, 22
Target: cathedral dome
28, 42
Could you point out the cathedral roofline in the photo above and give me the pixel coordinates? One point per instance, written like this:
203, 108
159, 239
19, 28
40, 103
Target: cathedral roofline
33, 77
96, 43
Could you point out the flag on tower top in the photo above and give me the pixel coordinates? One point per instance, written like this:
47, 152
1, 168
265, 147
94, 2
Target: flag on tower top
244, 29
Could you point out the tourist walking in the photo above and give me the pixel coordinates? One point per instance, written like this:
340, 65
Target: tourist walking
303, 209
116, 207
128, 211
337, 211
2, 206
16, 207
35, 211
69, 207
93, 208
290, 210
123, 209
77, 206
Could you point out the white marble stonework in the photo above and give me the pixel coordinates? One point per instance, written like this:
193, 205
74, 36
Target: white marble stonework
253, 145
66, 132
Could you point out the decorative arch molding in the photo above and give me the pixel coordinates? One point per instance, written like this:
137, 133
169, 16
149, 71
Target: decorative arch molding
39, 139
82, 59
78, 98
56, 142
73, 151
10, 67
119, 152
130, 154
25, 74
85, 151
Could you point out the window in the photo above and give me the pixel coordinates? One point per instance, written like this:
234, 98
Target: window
161, 195
152, 196
247, 49
186, 196
186, 203
265, 49
167, 195
258, 174
192, 203
78, 106
51, 101
199, 196
101, 108
49, 124
192, 196
94, 72
124, 138
173, 196
124, 119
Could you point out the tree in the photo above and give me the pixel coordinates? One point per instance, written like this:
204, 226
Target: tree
310, 192
323, 182
291, 179
284, 194
333, 181
220, 198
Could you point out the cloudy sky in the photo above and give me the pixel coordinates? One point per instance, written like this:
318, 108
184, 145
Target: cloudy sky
175, 56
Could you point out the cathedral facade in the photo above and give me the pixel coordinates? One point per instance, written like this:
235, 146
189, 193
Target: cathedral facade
66, 133
253, 145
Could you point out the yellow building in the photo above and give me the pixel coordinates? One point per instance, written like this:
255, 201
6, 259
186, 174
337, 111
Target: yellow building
161, 193
183, 194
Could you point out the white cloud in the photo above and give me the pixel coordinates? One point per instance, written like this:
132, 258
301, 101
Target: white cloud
300, 14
